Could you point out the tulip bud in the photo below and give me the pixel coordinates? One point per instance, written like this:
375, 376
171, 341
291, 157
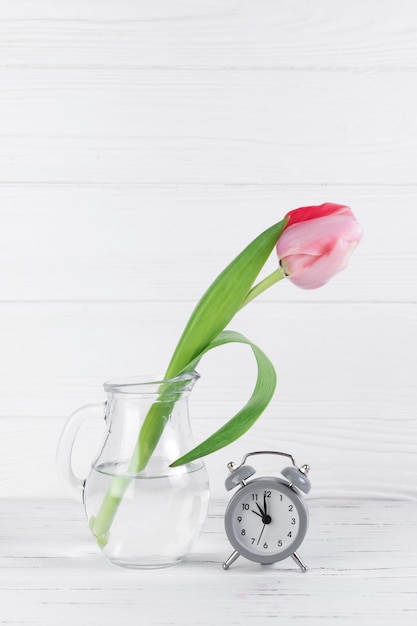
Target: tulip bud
317, 243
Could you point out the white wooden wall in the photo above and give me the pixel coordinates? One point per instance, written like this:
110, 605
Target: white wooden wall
142, 145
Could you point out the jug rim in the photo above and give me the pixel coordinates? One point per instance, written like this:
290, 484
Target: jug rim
150, 384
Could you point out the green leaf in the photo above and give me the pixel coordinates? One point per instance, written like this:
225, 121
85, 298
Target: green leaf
223, 299
247, 416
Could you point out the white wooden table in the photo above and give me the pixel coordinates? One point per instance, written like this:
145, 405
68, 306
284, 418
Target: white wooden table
362, 559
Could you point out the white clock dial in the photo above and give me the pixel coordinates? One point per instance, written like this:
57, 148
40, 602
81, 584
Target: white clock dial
266, 521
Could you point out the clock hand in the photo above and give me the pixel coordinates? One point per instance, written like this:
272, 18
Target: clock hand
256, 513
262, 512
263, 528
265, 518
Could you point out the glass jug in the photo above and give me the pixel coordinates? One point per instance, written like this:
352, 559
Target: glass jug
142, 512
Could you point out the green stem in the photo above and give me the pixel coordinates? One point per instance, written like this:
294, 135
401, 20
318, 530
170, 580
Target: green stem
262, 286
149, 436
224, 297
101, 523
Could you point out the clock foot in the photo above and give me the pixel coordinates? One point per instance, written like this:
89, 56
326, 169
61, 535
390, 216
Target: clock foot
232, 558
303, 567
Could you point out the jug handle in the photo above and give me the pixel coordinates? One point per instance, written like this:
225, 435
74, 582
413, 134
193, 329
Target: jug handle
66, 444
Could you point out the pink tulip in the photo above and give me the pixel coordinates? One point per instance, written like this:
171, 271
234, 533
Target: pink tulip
317, 243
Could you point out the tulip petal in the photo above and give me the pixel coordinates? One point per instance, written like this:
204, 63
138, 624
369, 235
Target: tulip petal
305, 214
318, 235
311, 272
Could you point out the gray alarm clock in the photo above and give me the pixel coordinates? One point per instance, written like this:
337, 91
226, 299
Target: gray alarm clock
266, 520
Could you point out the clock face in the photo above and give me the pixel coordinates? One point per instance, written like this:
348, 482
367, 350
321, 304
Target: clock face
266, 520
